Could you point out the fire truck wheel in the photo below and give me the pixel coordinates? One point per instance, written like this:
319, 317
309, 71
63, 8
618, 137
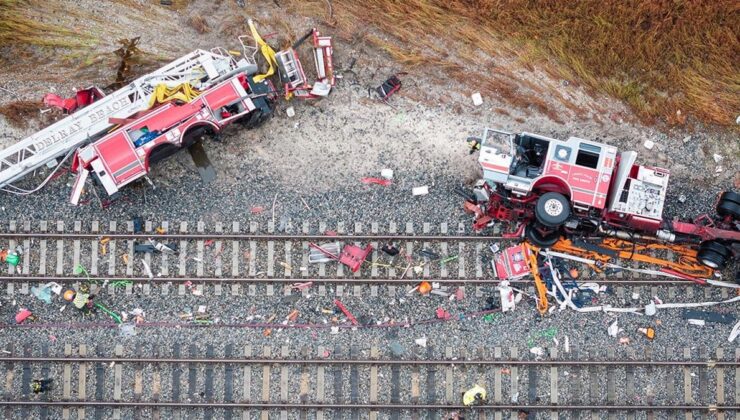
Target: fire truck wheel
729, 205
541, 240
713, 254
552, 209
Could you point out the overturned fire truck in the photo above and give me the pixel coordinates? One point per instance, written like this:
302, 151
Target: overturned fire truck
116, 137
552, 189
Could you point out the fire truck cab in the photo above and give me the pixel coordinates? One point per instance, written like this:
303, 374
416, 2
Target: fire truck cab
578, 169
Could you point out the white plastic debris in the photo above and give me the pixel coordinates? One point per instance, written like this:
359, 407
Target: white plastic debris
635, 296
537, 351
515, 398
387, 173
614, 329
202, 309
698, 322
734, 333
477, 99
649, 144
495, 247
421, 341
55, 287
321, 89
424, 190
718, 158
650, 309
335, 330
147, 269
290, 111
566, 344
686, 139
508, 301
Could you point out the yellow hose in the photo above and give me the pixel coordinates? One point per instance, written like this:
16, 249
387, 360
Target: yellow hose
266, 51
183, 92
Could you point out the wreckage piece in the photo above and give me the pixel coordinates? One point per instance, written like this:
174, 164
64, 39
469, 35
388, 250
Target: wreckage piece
292, 75
95, 114
352, 255
389, 87
126, 154
551, 188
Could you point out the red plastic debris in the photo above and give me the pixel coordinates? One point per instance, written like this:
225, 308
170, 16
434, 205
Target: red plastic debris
459, 293
331, 233
22, 315
257, 209
68, 105
345, 311
379, 181
208, 242
442, 314
353, 256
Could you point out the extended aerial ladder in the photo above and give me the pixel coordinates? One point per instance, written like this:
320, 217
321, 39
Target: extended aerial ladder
200, 68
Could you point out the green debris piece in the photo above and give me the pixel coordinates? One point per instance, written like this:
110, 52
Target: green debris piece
548, 333
110, 313
120, 283
13, 259
491, 317
448, 259
79, 269
203, 321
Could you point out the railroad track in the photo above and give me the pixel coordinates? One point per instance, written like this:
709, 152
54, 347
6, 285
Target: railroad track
52, 251
229, 382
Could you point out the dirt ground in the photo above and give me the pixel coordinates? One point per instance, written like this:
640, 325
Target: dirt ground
334, 142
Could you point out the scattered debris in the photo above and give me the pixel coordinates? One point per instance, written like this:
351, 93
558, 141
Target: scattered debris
708, 316
649, 144
649, 332
387, 173
477, 99
734, 333
614, 329
423, 190
424, 288
624, 340
388, 88
537, 351
442, 314
507, 296
379, 181
421, 341
345, 311
22, 315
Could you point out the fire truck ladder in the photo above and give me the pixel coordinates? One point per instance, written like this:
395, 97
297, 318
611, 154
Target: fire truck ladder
202, 68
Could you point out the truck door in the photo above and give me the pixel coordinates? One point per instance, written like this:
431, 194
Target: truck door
118, 163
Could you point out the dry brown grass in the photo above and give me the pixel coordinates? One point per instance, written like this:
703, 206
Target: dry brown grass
20, 26
199, 23
658, 56
20, 113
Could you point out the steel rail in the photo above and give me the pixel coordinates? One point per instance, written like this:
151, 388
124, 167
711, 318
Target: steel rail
251, 236
304, 406
416, 362
347, 280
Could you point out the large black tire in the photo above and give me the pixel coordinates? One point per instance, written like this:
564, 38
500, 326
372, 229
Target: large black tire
552, 209
713, 254
540, 240
729, 205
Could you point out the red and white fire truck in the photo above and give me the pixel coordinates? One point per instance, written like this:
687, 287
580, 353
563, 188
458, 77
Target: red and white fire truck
551, 188
116, 137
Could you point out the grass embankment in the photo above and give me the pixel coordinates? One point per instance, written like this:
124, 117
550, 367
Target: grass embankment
20, 26
666, 59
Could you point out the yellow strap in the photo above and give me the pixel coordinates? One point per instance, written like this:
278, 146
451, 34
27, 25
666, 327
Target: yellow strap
267, 52
183, 92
